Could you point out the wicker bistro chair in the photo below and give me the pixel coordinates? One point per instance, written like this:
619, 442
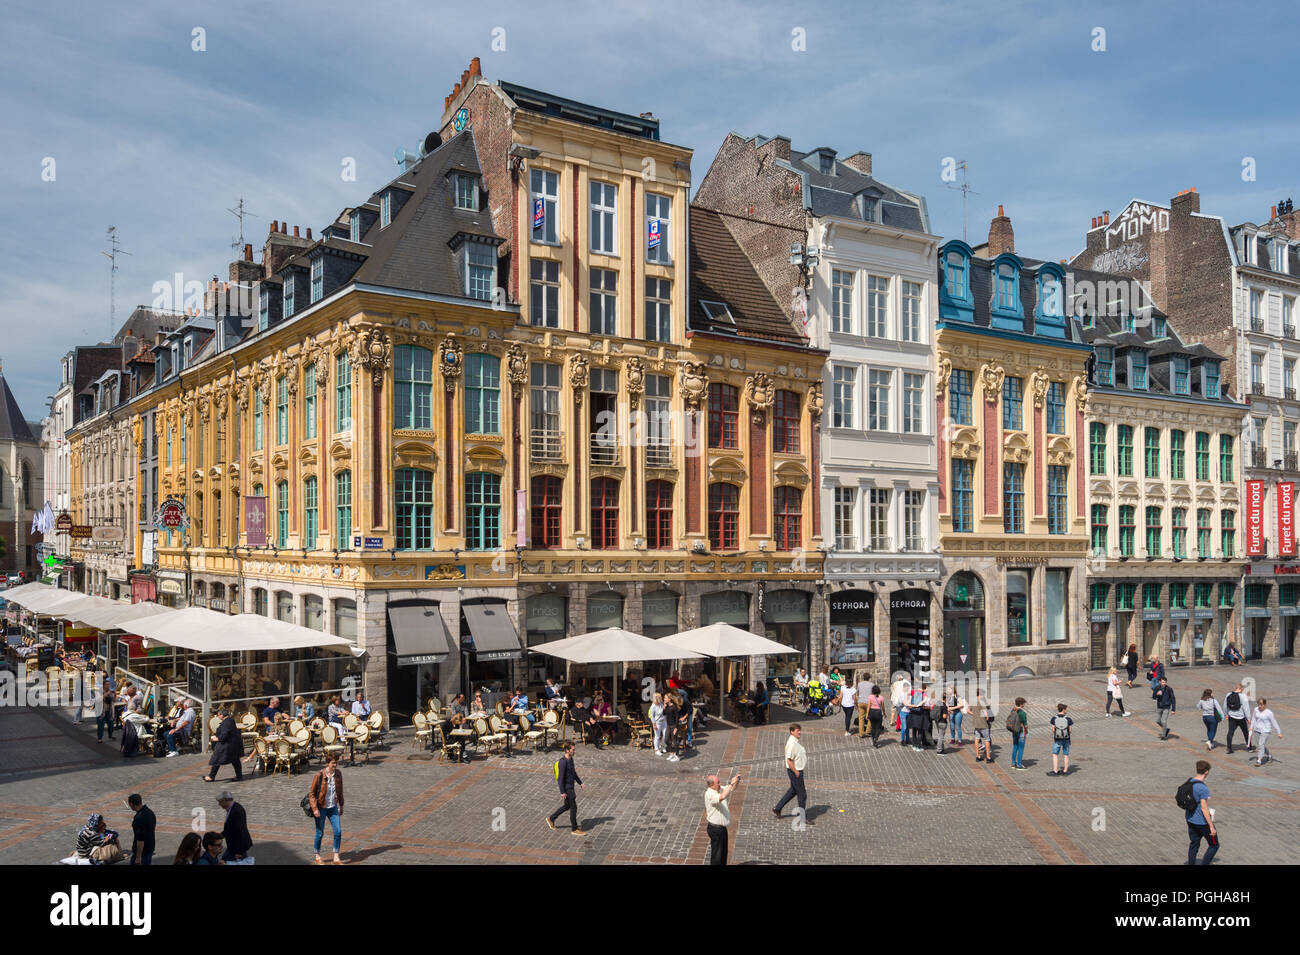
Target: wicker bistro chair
423, 738
486, 737
361, 740
551, 725
284, 756
376, 724
350, 721
295, 726
302, 745
329, 739
262, 754
213, 723
248, 727
446, 749
500, 725
639, 732
530, 735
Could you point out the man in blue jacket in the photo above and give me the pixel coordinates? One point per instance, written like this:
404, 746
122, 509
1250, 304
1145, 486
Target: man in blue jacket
567, 775
1165, 704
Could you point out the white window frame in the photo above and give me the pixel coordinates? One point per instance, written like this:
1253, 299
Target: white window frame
878, 519
603, 219
549, 193
385, 210
842, 309
844, 384
663, 211
913, 394
880, 382
914, 520
317, 278
844, 515
877, 317
537, 289
468, 185
913, 304
603, 301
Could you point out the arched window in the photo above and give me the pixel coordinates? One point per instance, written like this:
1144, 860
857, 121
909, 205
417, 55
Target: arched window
259, 601
413, 388
546, 510
414, 501
659, 515
604, 513
284, 606
788, 522
964, 592
313, 612
957, 275
956, 303
724, 516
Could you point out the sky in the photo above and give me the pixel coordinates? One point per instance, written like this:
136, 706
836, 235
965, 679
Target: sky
1056, 120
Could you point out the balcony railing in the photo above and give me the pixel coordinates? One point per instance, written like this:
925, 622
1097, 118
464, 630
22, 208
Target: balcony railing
1259, 457
1290, 393
845, 544
603, 453
658, 456
1257, 388
545, 445
1288, 330
1289, 460
1257, 324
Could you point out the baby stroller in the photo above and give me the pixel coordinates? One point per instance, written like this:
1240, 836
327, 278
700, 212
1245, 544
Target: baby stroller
819, 698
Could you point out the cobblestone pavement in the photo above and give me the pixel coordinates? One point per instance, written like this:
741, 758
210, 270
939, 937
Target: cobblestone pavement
1115, 806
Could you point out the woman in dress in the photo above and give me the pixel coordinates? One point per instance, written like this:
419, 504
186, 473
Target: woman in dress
1114, 693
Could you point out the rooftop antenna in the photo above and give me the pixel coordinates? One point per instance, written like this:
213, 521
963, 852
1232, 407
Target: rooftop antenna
966, 190
114, 250
239, 212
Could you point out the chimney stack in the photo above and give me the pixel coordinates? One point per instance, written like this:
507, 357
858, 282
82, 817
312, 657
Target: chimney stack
248, 252
1002, 237
1185, 203
295, 233
859, 162
1105, 217
275, 225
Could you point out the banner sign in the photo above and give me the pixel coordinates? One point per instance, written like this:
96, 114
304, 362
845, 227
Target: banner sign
1286, 519
63, 523
539, 213
1254, 518
652, 238
255, 520
107, 535
81, 532
171, 514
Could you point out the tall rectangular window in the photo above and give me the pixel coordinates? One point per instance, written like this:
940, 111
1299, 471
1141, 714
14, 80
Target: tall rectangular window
658, 219
959, 387
1228, 539
1056, 590
841, 301
724, 516
878, 520
878, 400
413, 499
1178, 532
1177, 455
785, 423
963, 495
787, 518
466, 192
257, 425
282, 514
1152, 452
343, 392
658, 417
1099, 530
309, 403
1127, 530
545, 194
482, 511
413, 388
281, 411
544, 293
604, 302
263, 308
877, 307
846, 518
1226, 466
1203, 532
317, 278
659, 515
482, 394
1124, 450
343, 510
913, 516
1154, 532
310, 513
1018, 607
1057, 520
545, 411
844, 382
724, 409
1097, 448
1202, 456
545, 512
909, 326
604, 218
913, 391
1105, 365
1013, 498
658, 310
480, 270
287, 305
385, 210
1138, 363
1056, 408
1182, 380
1013, 404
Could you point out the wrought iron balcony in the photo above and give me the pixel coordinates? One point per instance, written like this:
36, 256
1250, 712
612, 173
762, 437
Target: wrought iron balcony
1257, 388
1257, 324
545, 445
1259, 457
658, 456
1289, 461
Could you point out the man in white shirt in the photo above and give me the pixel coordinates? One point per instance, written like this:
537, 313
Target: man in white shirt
848, 693
361, 706
181, 728
717, 816
796, 758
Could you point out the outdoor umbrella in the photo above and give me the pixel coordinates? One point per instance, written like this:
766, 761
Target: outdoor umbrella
723, 640
613, 645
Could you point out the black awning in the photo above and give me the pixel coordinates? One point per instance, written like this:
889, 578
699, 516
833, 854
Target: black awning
419, 635
494, 634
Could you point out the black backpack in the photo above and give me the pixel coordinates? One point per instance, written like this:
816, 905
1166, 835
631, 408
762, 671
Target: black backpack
1233, 700
1185, 797
159, 745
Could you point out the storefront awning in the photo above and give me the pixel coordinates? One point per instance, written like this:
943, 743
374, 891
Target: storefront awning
116, 615
206, 631
494, 635
419, 635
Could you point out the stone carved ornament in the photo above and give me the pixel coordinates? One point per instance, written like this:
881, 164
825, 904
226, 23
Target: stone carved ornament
1081, 393
695, 384
451, 358
816, 399
941, 379
635, 369
517, 366
578, 375
761, 393
1038, 383
991, 376
372, 349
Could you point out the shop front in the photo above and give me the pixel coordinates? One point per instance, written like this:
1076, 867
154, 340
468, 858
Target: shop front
963, 628
546, 618
1290, 624
786, 620
171, 590
659, 614
489, 648
852, 627
729, 606
418, 645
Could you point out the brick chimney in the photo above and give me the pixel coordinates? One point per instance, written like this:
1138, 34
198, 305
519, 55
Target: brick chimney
245, 270
859, 161
1001, 236
778, 147
1185, 203
1287, 219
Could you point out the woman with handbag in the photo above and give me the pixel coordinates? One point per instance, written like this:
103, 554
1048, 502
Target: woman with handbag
324, 800
1130, 663
1211, 716
1114, 694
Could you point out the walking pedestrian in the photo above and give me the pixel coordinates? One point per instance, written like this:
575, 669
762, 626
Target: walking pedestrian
1018, 725
957, 710
1114, 694
1211, 715
848, 704
875, 715
659, 724
796, 758
235, 831
864, 690
144, 826
326, 800
228, 748
105, 713
567, 775
1061, 740
1156, 674
1194, 797
717, 816
1264, 725
1130, 663
983, 717
917, 714
1165, 705
940, 712
1237, 703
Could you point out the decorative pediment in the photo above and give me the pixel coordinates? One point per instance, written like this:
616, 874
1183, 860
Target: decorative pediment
255, 466
1060, 451
1015, 447
485, 455
1180, 492
415, 454
551, 469
279, 462
341, 449
307, 455
1230, 495
792, 473
1205, 494
1128, 490
727, 468
197, 477
1155, 489
232, 472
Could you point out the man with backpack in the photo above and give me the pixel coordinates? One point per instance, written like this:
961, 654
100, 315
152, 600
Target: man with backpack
983, 728
1165, 704
1237, 703
1018, 727
567, 775
1193, 798
1060, 740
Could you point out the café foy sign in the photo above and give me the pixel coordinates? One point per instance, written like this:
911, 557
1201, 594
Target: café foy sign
171, 514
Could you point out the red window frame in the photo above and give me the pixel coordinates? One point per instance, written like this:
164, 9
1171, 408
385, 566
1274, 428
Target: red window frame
659, 515
604, 514
787, 526
724, 517
546, 496
724, 416
785, 418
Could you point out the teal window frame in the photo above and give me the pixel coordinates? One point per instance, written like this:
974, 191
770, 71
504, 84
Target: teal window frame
482, 511
413, 509
310, 512
343, 510
413, 388
482, 394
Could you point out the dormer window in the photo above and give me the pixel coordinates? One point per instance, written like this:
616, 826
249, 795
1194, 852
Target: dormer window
826, 163
480, 270
1105, 365
1137, 369
955, 300
1049, 316
1007, 312
1158, 328
189, 350
1211, 371
1006, 286
1280, 249
1246, 246
385, 209
288, 295
465, 187
1181, 378
317, 278
263, 308
354, 226
957, 275
1130, 324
